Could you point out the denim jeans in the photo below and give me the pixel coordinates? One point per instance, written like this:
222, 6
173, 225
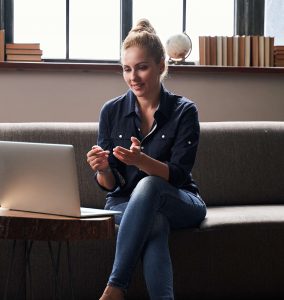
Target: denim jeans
154, 207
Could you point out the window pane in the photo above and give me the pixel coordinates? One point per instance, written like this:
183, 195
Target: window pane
274, 21
95, 29
207, 17
41, 21
164, 15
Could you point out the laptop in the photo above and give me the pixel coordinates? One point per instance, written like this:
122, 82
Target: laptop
42, 178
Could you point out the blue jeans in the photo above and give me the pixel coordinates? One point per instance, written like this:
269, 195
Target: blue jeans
154, 207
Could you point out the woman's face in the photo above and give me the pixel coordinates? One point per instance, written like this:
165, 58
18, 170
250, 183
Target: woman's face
141, 72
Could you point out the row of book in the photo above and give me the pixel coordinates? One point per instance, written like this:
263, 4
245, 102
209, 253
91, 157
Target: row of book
279, 56
242, 51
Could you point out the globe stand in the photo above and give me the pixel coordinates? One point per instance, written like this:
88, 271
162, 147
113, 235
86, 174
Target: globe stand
181, 62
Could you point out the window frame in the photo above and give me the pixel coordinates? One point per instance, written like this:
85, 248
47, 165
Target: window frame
126, 21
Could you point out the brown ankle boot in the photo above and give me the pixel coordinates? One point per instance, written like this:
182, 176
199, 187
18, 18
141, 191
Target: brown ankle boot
112, 293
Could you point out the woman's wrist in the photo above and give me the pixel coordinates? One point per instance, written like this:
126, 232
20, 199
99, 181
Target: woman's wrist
105, 171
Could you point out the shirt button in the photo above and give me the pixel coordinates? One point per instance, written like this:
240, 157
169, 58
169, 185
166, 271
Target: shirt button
139, 129
120, 136
189, 142
142, 148
163, 136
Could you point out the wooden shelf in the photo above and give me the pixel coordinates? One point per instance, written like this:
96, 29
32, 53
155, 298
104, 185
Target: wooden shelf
116, 67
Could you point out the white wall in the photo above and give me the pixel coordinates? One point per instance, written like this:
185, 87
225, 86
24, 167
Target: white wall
76, 96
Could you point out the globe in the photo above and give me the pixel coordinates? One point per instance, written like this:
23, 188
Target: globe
178, 47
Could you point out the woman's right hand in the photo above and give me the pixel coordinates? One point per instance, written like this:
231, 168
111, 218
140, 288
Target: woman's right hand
97, 158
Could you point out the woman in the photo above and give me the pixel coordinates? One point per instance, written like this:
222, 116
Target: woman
146, 150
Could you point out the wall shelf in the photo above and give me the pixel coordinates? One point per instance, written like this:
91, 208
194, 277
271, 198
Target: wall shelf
115, 67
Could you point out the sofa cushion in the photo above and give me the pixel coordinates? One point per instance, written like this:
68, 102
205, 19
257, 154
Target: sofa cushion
221, 217
241, 163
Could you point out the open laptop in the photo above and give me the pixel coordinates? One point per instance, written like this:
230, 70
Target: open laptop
42, 178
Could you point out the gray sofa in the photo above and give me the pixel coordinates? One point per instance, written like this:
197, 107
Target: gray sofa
238, 251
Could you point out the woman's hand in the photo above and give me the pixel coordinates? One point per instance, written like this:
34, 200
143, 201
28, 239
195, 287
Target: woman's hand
98, 159
130, 156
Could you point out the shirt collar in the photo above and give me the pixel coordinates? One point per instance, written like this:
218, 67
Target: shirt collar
164, 108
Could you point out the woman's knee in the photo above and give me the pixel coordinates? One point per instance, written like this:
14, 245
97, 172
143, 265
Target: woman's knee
152, 184
148, 193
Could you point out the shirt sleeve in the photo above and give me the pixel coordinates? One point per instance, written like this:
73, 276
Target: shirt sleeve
185, 147
105, 141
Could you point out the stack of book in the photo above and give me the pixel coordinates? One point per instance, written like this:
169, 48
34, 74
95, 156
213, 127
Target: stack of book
279, 56
238, 51
23, 52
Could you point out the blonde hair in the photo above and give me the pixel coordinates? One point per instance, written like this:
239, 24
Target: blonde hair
143, 35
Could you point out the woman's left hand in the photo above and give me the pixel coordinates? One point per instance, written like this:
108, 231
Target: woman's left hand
130, 156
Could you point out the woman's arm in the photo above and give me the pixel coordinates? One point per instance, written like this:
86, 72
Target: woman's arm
98, 160
145, 163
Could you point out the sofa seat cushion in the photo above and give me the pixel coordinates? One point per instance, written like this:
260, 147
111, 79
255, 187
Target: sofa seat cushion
220, 217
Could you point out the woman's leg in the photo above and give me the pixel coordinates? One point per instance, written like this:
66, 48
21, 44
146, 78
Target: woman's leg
152, 196
180, 209
156, 261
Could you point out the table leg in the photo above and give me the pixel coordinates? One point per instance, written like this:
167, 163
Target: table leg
27, 274
9, 270
55, 260
28, 249
70, 271
26, 278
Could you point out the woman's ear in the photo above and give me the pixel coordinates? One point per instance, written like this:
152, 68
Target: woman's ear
162, 66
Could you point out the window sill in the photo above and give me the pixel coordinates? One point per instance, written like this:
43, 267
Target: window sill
116, 67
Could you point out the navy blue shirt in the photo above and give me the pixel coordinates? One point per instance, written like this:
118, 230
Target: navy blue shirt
172, 140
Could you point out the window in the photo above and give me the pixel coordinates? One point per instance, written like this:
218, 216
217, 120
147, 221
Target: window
274, 21
38, 21
92, 29
203, 17
164, 15
207, 17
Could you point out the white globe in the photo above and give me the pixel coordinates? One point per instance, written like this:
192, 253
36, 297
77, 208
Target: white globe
178, 47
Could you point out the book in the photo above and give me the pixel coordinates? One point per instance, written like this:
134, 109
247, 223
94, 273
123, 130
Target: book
201, 50
224, 51
235, 50
2, 45
241, 51
213, 50
229, 50
23, 46
207, 50
278, 52
261, 51
24, 51
219, 51
23, 57
278, 48
279, 56
247, 51
254, 50
266, 51
279, 64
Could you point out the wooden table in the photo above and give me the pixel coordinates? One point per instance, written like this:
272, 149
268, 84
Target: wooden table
30, 227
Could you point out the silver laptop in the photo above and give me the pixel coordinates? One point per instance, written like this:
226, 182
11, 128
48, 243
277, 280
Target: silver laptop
42, 178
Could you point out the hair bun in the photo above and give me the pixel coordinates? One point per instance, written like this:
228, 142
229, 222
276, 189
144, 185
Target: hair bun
143, 25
